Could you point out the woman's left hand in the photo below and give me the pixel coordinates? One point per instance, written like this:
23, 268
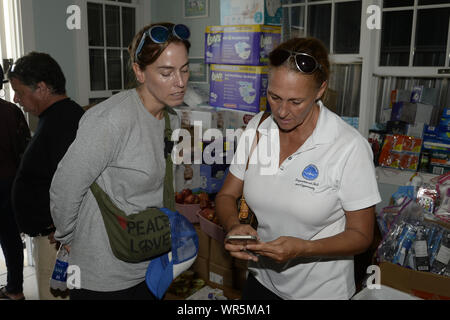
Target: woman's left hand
280, 250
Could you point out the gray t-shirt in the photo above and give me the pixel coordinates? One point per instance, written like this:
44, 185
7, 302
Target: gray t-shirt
119, 145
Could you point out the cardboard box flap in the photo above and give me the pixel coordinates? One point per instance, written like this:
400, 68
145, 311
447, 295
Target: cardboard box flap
424, 285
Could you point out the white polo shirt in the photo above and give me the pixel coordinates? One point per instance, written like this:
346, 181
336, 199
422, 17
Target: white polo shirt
305, 197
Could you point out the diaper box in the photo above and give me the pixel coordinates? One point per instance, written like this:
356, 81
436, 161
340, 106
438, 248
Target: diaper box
241, 44
212, 177
234, 12
238, 87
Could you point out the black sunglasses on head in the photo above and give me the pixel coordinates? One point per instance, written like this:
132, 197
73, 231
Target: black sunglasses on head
304, 62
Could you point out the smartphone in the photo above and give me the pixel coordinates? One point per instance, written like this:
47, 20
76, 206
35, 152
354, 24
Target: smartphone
246, 237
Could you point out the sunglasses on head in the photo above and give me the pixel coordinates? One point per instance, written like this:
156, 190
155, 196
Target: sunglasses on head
304, 62
160, 34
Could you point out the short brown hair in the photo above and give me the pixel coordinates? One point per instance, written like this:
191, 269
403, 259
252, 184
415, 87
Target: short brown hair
312, 46
151, 51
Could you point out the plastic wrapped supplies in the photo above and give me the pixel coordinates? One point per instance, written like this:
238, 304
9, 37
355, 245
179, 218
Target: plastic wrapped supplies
416, 243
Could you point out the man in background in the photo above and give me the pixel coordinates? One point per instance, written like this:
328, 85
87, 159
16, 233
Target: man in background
39, 86
14, 136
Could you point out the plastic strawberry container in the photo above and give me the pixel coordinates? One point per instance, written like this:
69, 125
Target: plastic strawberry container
210, 228
189, 211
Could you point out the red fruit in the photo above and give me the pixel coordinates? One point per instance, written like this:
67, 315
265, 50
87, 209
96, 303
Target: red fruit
204, 203
196, 199
208, 213
189, 199
179, 197
186, 192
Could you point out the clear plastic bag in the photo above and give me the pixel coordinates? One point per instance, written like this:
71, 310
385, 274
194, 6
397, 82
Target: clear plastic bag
442, 258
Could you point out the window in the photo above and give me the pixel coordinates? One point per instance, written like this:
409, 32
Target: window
415, 33
111, 27
336, 23
11, 46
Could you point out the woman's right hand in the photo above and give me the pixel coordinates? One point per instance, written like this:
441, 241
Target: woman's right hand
237, 247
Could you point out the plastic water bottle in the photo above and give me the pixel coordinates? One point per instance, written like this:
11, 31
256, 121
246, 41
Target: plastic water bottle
58, 280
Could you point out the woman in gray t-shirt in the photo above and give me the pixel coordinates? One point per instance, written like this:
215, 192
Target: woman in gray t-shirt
120, 147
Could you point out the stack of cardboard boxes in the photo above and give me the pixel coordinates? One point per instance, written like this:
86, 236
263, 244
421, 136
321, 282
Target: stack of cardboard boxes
238, 53
410, 115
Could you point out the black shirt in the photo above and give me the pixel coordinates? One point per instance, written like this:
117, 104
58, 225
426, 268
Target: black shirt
55, 132
14, 136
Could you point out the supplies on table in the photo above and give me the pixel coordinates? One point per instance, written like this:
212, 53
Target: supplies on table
433, 197
416, 243
400, 152
436, 145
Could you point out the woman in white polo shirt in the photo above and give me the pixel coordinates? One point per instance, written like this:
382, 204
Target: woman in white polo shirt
314, 199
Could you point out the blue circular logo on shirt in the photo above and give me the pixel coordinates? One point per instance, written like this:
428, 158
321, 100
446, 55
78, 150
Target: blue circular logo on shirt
310, 172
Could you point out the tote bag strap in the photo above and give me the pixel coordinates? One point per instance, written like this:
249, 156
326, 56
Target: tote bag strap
169, 193
256, 140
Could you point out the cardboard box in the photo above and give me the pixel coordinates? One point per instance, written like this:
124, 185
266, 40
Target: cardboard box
238, 87
211, 229
416, 130
191, 116
250, 12
236, 119
201, 268
421, 94
241, 45
383, 293
220, 276
399, 95
204, 243
424, 285
412, 112
218, 255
